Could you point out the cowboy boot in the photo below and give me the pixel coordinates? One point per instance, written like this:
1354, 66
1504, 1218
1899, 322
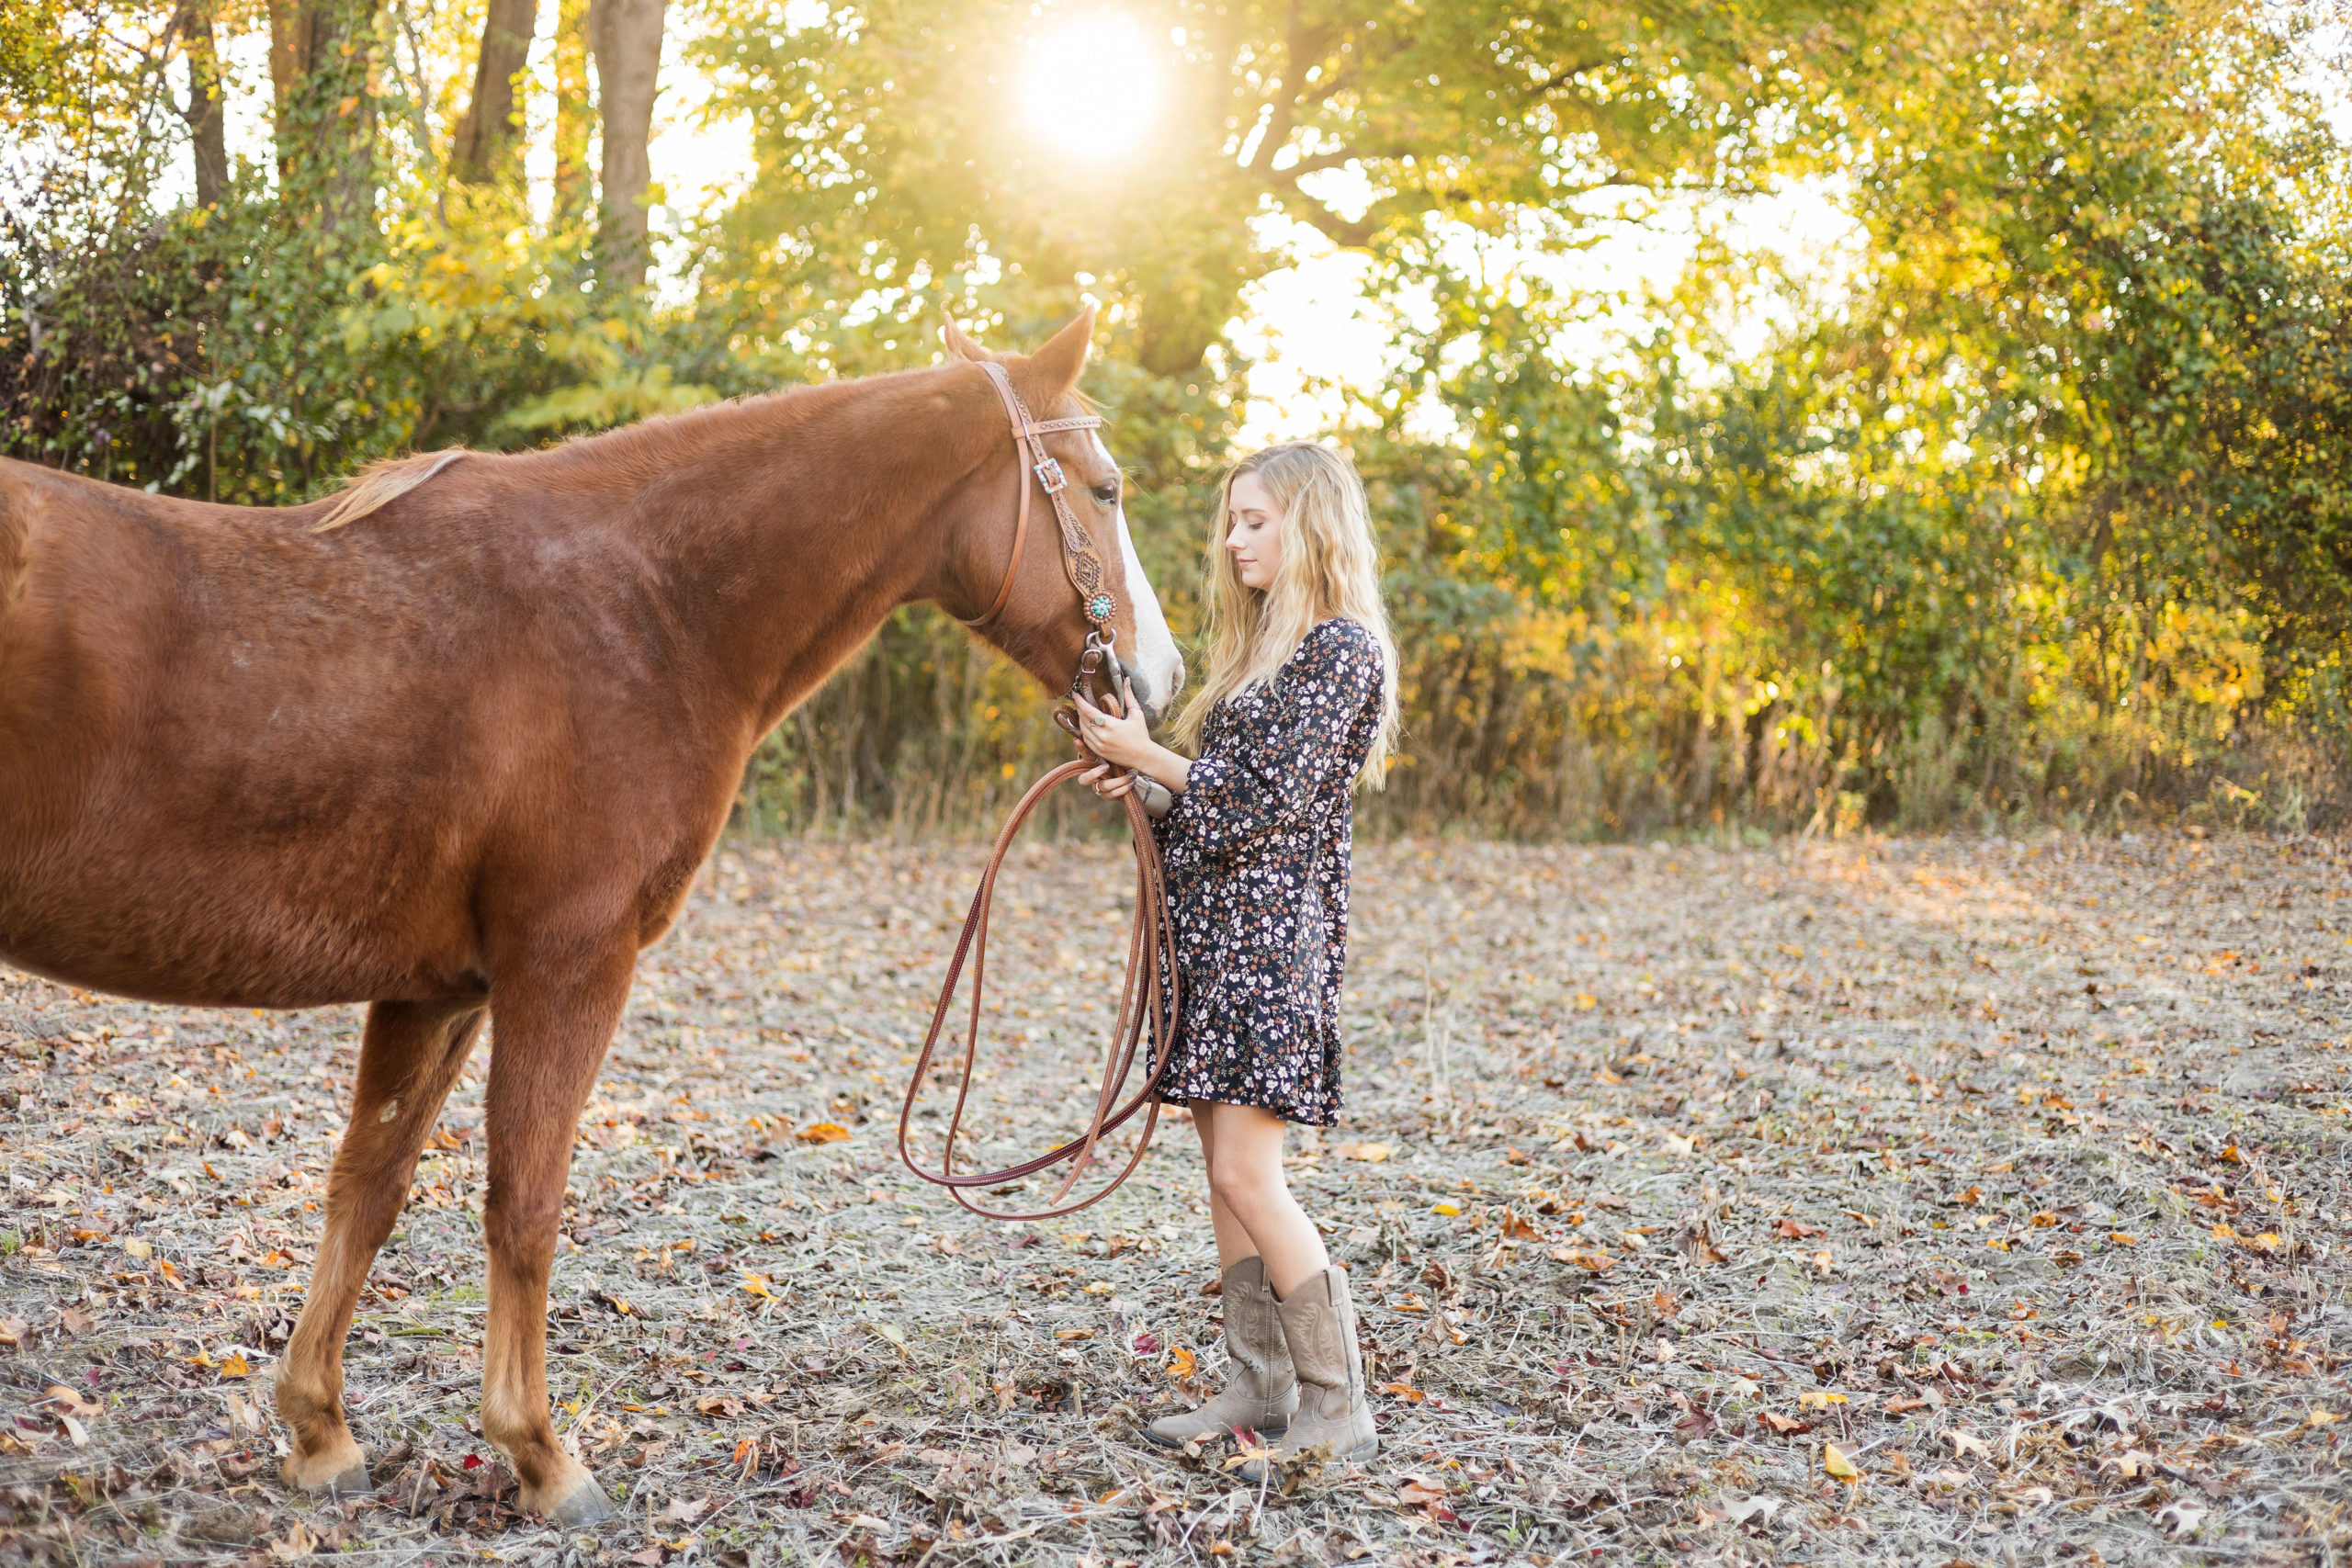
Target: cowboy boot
1261, 1392
1334, 1419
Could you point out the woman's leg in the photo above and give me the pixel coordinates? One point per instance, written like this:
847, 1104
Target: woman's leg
1261, 1392
1244, 1143
1233, 1243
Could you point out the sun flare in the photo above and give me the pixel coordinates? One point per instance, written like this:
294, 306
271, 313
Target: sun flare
1092, 88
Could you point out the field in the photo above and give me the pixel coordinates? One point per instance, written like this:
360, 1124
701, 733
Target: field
1928, 1202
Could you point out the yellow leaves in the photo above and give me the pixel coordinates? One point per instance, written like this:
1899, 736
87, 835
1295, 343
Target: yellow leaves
1408, 1303
1834, 1460
757, 1285
233, 1365
2318, 1417
1587, 1001
1820, 1399
1826, 1262
823, 1133
1447, 1210
1182, 1363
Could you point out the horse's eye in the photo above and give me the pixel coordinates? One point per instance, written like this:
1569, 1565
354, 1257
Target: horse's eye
1108, 494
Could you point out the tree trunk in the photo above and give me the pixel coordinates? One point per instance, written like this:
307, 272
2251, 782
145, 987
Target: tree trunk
573, 187
322, 68
207, 133
626, 38
487, 143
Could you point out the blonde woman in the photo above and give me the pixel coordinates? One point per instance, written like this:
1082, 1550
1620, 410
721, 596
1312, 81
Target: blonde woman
1299, 707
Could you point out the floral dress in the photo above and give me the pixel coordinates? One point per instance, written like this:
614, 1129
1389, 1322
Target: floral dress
1256, 849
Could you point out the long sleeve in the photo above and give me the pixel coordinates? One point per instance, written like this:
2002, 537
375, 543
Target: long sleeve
1264, 780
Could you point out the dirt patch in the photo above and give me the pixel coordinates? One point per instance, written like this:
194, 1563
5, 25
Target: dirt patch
2016, 1173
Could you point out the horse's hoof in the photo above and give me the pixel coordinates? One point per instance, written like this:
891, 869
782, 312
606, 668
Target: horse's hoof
586, 1506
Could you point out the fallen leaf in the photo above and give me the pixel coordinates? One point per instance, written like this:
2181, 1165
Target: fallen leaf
1416, 1492
13, 1331
1783, 1424
1371, 1153
233, 1365
2180, 1517
1517, 1229
1405, 1392
1408, 1303
1447, 1210
1834, 1460
1181, 1362
1796, 1230
1066, 1333
140, 1251
1758, 1507
1964, 1445
823, 1133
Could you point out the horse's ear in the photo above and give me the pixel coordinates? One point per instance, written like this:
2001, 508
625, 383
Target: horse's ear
959, 346
1053, 371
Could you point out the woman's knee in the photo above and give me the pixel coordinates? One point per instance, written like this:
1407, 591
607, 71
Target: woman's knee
1243, 1187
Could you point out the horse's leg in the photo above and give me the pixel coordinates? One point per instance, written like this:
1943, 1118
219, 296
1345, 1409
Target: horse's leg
552, 1031
410, 1054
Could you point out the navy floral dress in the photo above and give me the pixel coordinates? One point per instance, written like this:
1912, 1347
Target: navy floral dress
1257, 851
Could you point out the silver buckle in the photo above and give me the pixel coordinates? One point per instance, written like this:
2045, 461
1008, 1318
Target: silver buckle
1049, 474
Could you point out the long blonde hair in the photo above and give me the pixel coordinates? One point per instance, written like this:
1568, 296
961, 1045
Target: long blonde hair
1330, 566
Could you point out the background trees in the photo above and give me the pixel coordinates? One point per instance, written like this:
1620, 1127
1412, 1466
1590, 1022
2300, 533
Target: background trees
2021, 494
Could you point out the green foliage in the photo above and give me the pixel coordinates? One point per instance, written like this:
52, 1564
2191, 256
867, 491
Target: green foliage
2035, 501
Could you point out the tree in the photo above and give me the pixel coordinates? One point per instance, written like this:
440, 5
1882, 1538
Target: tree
625, 39
208, 136
322, 56
485, 147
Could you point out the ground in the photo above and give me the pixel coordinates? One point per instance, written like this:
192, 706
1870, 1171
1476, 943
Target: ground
1955, 1201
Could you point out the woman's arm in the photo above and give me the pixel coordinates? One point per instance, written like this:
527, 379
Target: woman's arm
1266, 780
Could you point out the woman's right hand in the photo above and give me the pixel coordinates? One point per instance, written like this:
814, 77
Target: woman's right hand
1107, 782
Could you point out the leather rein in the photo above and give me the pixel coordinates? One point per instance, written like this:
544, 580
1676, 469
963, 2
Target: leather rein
1149, 994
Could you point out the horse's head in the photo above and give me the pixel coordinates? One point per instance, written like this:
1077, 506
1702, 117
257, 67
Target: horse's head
1039, 620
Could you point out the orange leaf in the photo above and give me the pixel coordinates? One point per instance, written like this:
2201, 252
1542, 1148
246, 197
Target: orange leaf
1796, 1230
1181, 1362
1783, 1424
1405, 1392
823, 1133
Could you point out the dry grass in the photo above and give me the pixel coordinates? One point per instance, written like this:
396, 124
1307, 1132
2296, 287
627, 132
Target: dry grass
2018, 1172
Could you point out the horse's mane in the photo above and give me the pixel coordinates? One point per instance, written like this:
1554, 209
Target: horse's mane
385, 481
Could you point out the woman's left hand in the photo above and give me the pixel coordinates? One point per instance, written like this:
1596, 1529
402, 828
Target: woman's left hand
1119, 735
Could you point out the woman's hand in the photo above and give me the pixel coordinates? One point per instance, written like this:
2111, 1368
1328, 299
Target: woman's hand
1118, 735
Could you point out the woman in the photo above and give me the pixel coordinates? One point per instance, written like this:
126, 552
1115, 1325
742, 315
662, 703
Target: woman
1298, 708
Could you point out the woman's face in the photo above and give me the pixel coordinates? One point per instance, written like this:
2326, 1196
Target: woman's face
1253, 532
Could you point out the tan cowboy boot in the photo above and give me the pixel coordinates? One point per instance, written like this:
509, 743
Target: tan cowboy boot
1261, 1392
1334, 1419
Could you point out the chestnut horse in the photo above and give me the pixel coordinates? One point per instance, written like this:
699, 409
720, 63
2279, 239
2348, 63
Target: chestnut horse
455, 743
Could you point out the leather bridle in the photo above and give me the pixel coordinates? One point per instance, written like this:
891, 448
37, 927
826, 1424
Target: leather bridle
1149, 994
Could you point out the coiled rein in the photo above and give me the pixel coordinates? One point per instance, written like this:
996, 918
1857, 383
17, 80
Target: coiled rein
1148, 993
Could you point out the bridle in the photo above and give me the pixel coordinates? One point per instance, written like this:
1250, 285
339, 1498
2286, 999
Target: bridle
1149, 994
1079, 563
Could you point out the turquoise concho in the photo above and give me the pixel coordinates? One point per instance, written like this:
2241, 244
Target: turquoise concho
1099, 608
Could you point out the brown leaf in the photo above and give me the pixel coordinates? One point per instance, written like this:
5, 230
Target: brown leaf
1415, 1492
1796, 1230
1782, 1425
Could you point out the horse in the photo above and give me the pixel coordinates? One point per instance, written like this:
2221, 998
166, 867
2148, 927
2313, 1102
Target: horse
455, 743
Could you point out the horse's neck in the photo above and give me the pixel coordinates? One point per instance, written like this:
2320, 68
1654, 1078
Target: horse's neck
786, 530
